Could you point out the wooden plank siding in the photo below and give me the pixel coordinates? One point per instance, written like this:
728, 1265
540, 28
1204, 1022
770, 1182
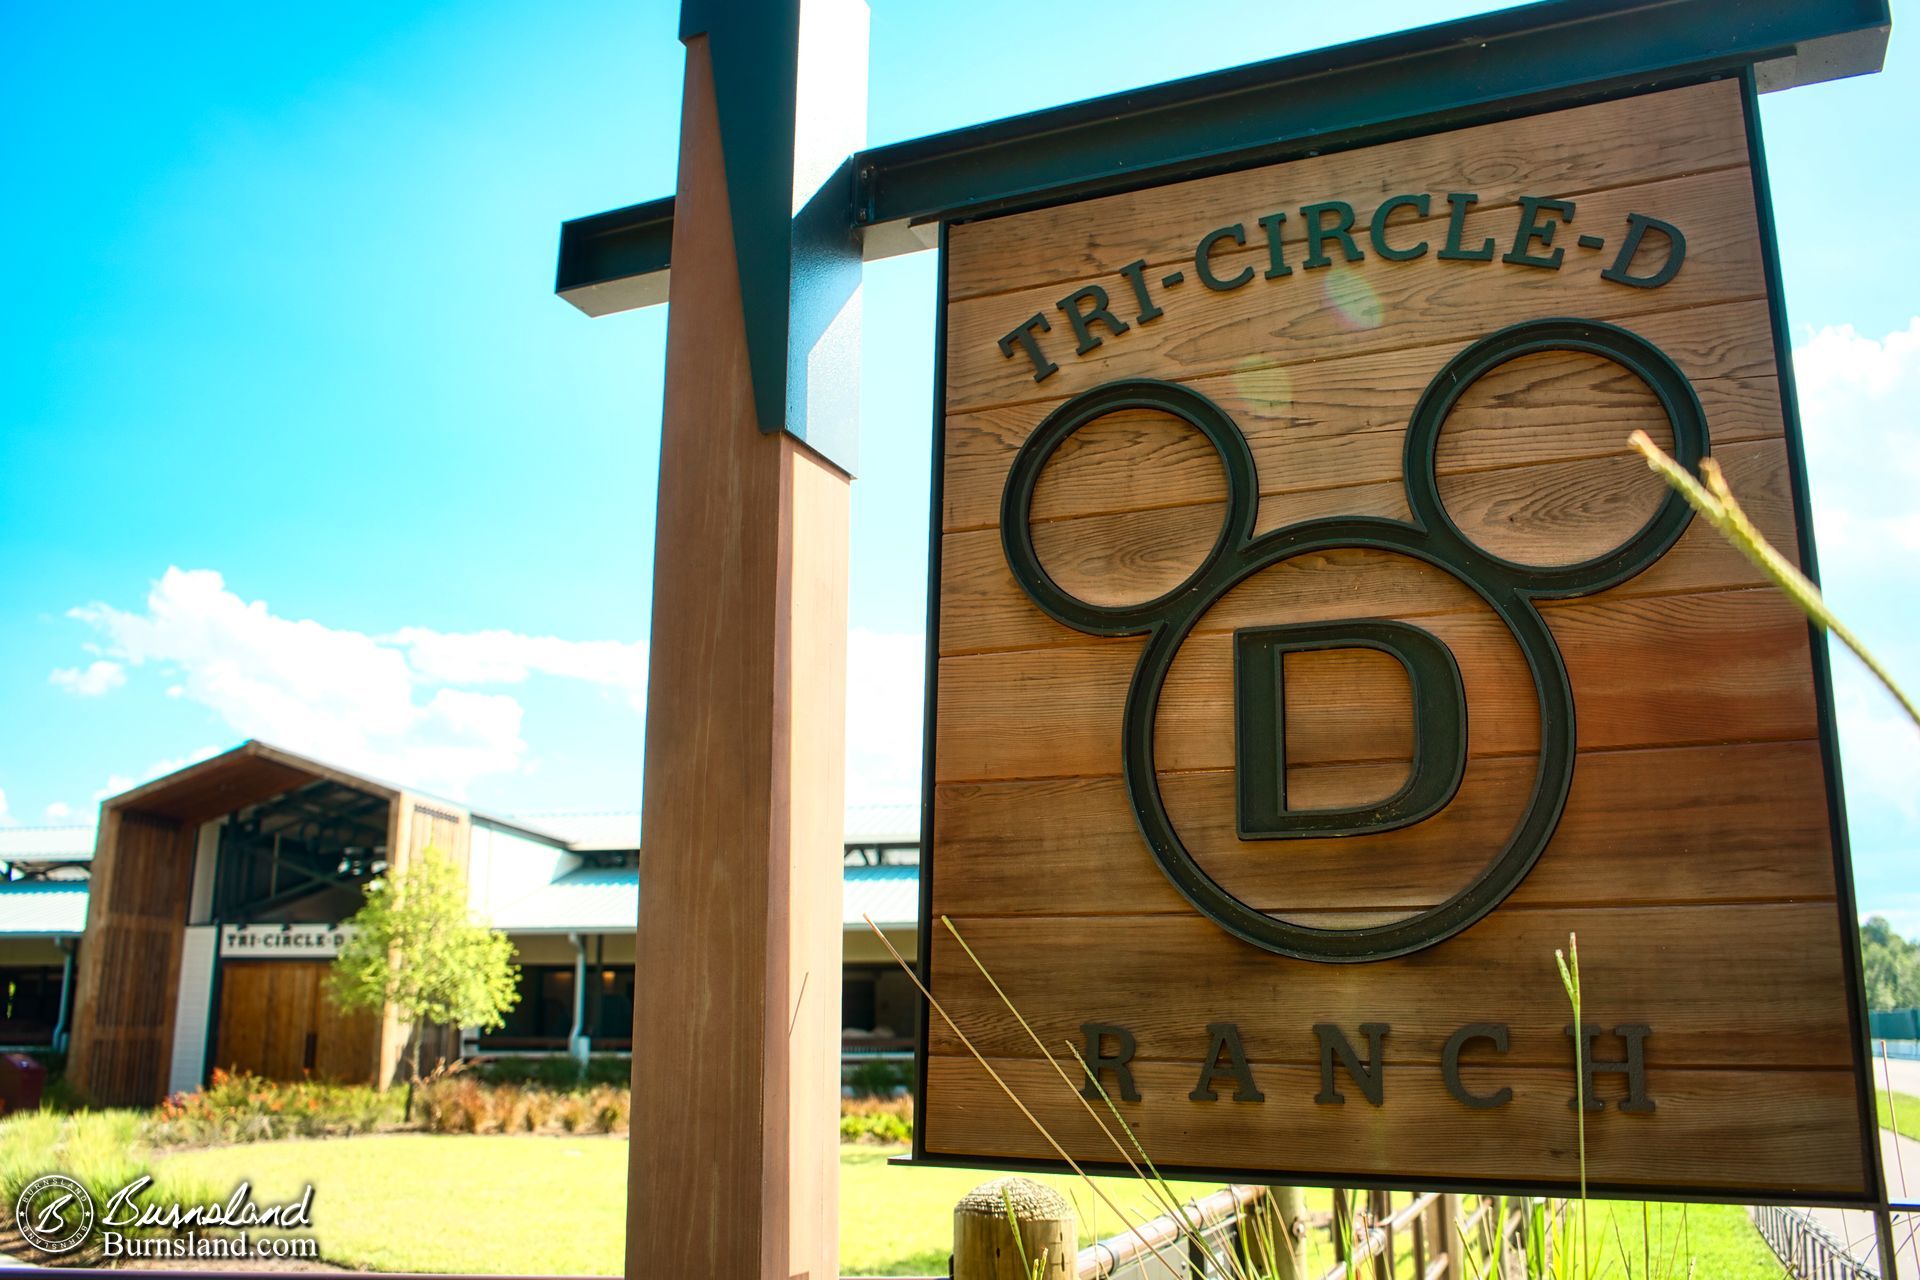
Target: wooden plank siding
141, 880
1695, 856
140, 877
276, 1021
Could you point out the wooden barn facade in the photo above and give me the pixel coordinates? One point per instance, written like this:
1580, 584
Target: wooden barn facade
216, 898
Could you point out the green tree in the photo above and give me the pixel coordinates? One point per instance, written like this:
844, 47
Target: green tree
414, 944
1892, 966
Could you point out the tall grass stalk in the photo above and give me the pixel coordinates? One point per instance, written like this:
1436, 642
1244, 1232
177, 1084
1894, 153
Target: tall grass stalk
1569, 962
1158, 1186
1034, 1267
1713, 498
1893, 1116
102, 1150
1013, 1097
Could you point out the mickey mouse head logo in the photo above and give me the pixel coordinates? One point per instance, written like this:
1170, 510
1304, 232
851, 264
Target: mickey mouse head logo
1440, 709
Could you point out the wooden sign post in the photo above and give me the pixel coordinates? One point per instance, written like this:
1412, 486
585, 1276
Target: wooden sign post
1307, 660
734, 1166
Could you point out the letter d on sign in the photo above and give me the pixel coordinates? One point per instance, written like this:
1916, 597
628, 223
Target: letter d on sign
1260, 728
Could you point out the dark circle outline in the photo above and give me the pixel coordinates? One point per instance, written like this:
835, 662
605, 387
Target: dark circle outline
1016, 504
1432, 536
1652, 366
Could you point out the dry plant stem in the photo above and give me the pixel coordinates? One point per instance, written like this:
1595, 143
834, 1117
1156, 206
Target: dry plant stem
1051, 1060
1570, 979
1714, 499
1893, 1114
986, 1066
1155, 1184
1164, 1190
1013, 1225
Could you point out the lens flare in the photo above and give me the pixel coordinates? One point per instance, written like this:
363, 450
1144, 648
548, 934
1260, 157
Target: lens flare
1353, 300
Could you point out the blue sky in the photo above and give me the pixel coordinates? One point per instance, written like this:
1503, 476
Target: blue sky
296, 442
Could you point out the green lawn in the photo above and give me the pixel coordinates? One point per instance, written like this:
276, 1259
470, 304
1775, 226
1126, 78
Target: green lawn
1905, 1109
1720, 1238
532, 1205
430, 1202
553, 1205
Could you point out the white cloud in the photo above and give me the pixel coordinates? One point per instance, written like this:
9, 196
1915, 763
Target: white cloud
1839, 359
393, 706
6, 818
1860, 407
1879, 746
59, 811
118, 782
885, 703
92, 680
506, 657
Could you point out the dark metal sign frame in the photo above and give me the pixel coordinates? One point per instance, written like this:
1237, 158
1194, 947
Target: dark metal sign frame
886, 201
1876, 1197
1509, 62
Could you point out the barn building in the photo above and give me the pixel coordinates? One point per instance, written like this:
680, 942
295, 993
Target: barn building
193, 927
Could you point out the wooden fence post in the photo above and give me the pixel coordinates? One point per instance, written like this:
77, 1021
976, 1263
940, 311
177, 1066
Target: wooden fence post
1454, 1242
1380, 1214
1288, 1208
984, 1246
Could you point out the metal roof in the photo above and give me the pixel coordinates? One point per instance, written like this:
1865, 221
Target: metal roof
589, 832
46, 844
43, 907
590, 900
256, 771
601, 900
891, 895
866, 824
883, 824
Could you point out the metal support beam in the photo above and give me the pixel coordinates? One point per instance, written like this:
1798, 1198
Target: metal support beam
1442, 76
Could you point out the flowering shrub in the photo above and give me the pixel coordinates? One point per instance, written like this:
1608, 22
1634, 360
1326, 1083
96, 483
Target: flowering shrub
883, 1120
463, 1104
239, 1107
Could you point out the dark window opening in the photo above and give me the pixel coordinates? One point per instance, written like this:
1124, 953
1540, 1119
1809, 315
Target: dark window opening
877, 1008
544, 1016
302, 857
29, 1003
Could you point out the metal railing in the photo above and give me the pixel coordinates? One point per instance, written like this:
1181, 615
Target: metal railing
1372, 1238
1427, 1224
1164, 1250
1807, 1249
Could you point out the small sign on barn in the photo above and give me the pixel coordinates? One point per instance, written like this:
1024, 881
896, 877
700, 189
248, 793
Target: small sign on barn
281, 941
1314, 657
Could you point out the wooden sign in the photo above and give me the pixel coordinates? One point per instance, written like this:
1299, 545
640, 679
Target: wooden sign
1314, 657
282, 941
